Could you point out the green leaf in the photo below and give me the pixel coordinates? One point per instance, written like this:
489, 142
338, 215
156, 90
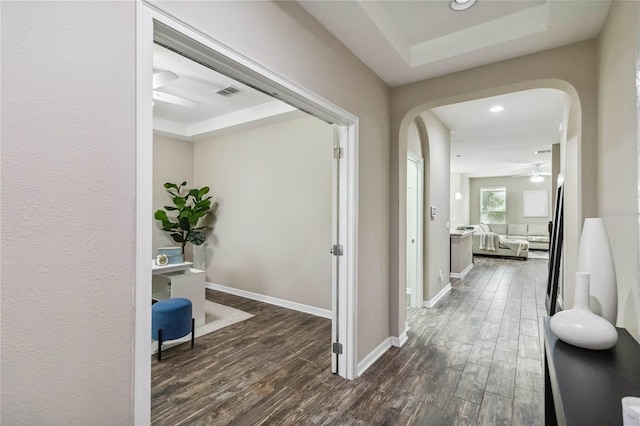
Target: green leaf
160, 215
182, 184
185, 224
177, 238
169, 208
196, 237
194, 193
180, 202
170, 185
203, 190
202, 204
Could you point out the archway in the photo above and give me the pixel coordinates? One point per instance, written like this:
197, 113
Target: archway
571, 153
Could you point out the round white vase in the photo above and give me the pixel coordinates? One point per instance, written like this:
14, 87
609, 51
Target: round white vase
595, 257
579, 326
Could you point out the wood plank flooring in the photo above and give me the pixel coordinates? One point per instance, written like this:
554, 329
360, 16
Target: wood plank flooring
476, 358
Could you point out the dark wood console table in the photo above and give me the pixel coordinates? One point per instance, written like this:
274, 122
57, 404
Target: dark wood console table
584, 387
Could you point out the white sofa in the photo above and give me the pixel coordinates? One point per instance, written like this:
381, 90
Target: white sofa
520, 251
537, 235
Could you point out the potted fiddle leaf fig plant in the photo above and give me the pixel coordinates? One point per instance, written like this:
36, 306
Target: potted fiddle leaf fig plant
189, 208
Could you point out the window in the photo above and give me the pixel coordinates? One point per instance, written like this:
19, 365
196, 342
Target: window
493, 205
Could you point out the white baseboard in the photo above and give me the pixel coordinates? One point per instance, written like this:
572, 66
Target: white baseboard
373, 356
431, 303
319, 312
399, 342
462, 274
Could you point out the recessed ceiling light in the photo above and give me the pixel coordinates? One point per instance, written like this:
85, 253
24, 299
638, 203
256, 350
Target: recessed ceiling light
462, 4
496, 108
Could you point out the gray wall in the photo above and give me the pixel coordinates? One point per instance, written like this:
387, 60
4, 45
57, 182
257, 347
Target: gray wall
68, 165
68, 212
618, 151
514, 186
272, 232
68, 154
330, 70
571, 68
459, 209
172, 162
436, 231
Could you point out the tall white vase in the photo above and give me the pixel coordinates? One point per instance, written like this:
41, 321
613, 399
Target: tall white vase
596, 258
579, 326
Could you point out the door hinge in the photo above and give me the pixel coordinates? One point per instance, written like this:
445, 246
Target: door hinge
337, 153
336, 250
336, 348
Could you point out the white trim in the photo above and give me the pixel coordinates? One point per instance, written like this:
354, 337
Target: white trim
373, 356
418, 287
462, 274
227, 61
335, 231
144, 190
399, 342
300, 307
431, 303
348, 263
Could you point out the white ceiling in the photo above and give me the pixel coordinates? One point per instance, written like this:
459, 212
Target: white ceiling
215, 114
407, 41
504, 143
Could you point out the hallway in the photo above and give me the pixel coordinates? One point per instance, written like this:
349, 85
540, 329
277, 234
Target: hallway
483, 346
476, 358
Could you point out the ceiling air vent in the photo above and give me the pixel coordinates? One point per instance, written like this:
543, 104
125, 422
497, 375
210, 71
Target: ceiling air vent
228, 91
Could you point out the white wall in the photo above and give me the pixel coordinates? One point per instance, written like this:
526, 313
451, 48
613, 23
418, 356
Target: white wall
272, 232
515, 187
172, 162
68, 212
618, 152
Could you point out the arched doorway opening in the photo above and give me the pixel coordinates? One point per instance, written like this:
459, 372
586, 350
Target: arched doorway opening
438, 234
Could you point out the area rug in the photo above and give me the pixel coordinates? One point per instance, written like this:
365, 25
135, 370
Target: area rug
538, 255
216, 316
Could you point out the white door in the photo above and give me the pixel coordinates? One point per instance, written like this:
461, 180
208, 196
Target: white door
414, 231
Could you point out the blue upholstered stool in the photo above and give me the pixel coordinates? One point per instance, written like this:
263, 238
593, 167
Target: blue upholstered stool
171, 319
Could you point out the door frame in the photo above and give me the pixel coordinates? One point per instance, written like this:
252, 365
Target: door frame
418, 287
237, 66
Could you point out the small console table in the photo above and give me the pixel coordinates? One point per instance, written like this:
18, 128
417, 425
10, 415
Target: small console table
585, 387
180, 280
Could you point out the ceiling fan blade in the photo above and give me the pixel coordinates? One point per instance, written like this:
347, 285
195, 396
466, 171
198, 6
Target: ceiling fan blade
173, 99
162, 78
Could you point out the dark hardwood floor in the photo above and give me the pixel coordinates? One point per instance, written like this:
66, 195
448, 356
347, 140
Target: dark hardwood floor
476, 358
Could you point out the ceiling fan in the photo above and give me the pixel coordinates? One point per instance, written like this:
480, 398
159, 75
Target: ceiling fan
161, 79
536, 175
